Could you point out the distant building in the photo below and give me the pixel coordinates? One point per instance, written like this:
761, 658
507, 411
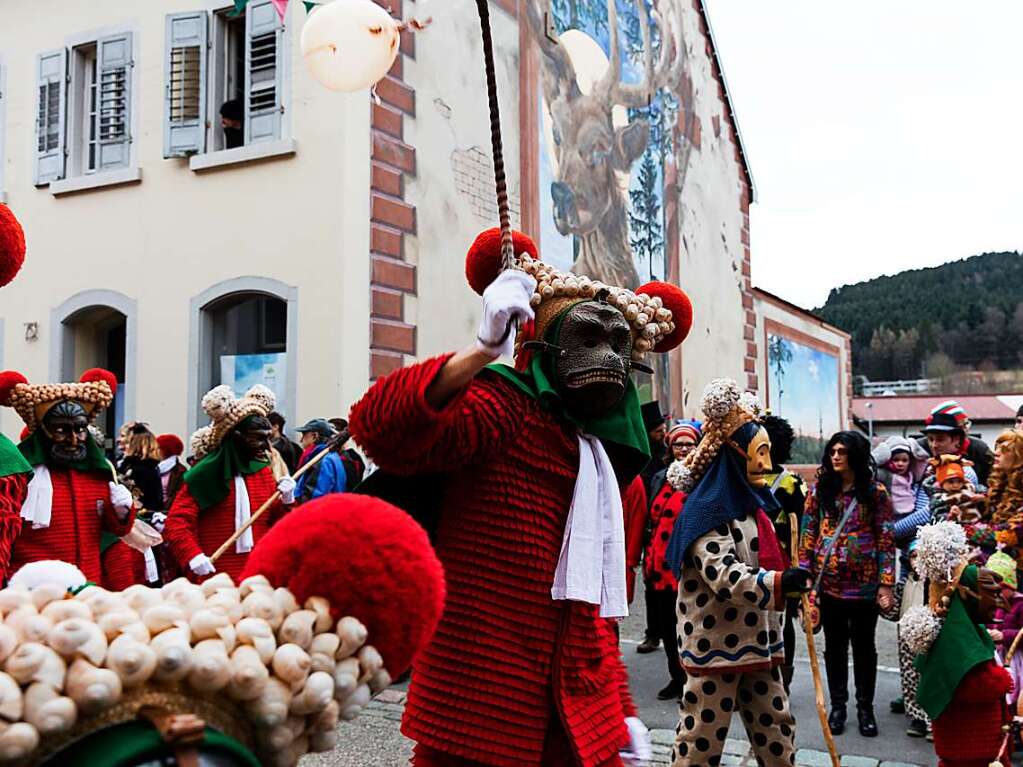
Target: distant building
991, 414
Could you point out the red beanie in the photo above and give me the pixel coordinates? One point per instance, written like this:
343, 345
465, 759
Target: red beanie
170, 444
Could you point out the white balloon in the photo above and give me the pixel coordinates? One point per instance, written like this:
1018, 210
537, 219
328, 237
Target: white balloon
349, 45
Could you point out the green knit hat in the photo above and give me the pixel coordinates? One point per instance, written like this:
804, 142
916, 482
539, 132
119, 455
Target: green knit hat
1004, 566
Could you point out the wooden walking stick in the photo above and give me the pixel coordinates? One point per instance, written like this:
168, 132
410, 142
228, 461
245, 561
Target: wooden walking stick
332, 444
815, 667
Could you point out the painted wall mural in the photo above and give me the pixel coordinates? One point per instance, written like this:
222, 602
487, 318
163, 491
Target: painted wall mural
804, 387
614, 143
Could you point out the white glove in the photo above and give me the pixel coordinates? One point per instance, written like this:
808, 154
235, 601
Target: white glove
158, 519
121, 499
286, 487
201, 565
640, 750
506, 299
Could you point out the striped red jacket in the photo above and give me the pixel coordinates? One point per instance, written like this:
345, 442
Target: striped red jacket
190, 532
12, 495
81, 512
506, 658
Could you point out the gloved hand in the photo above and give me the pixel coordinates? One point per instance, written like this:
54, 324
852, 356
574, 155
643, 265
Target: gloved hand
640, 750
158, 519
121, 499
286, 487
505, 300
201, 564
796, 580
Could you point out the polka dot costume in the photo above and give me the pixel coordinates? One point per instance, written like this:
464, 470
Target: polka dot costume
707, 707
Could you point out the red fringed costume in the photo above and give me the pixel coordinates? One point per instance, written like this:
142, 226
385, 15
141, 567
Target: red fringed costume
12, 494
969, 731
509, 672
189, 531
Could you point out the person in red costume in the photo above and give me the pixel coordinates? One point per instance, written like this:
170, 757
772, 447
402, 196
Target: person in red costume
232, 480
71, 499
524, 668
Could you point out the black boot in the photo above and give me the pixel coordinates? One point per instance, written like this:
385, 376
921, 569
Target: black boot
648, 645
868, 724
671, 692
836, 722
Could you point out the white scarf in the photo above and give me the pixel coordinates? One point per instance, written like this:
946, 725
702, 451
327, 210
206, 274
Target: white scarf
152, 573
242, 512
591, 567
39, 501
169, 463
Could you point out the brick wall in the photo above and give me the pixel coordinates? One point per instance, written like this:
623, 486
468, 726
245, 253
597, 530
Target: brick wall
392, 217
473, 171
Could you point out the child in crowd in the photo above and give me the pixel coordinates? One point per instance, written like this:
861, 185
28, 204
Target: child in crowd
957, 500
1008, 621
901, 470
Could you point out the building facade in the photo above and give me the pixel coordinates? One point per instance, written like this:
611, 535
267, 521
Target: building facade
199, 211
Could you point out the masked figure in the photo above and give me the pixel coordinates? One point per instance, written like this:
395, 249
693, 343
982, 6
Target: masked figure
527, 467
231, 482
71, 499
733, 580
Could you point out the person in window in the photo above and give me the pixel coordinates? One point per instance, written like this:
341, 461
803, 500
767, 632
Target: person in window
327, 476
231, 116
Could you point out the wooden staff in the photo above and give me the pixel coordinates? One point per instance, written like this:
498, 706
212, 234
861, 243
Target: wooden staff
332, 444
815, 667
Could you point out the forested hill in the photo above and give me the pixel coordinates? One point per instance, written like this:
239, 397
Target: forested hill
929, 322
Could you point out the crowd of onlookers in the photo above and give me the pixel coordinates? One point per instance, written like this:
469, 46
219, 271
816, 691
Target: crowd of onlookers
858, 518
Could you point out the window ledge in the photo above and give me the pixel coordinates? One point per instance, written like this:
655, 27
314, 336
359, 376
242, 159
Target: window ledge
96, 181
264, 150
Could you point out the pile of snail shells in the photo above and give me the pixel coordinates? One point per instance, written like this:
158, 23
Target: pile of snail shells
649, 319
293, 670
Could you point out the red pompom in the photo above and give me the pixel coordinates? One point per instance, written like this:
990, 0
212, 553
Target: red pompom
99, 374
483, 261
369, 559
12, 245
170, 444
8, 380
681, 308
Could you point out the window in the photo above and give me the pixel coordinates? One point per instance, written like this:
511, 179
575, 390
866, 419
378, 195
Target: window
224, 79
84, 108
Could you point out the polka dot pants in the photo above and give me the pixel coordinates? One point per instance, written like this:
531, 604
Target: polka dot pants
706, 711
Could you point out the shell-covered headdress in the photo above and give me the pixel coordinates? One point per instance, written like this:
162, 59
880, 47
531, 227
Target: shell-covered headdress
94, 391
227, 411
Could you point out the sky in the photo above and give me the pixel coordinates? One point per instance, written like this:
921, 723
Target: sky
882, 136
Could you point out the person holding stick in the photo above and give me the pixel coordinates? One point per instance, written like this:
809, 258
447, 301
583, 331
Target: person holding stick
231, 481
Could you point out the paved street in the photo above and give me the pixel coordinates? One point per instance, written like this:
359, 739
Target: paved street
374, 741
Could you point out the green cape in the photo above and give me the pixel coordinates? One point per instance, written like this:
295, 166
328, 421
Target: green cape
11, 459
961, 646
209, 481
34, 450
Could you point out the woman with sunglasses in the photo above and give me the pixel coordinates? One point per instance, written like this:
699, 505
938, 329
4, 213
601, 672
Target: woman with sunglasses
848, 544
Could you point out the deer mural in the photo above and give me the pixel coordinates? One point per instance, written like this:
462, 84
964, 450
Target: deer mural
589, 148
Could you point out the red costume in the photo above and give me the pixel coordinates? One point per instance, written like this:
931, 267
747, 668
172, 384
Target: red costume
12, 494
510, 671
189, 531
665, 509
634, 508
969, 731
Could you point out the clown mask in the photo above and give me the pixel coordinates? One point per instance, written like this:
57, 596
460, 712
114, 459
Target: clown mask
758, 459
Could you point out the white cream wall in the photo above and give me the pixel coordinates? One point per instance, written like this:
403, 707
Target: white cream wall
301, 220
452, 116
711, 250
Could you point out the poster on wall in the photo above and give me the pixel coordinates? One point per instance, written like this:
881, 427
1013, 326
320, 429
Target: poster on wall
803, 387
243, 371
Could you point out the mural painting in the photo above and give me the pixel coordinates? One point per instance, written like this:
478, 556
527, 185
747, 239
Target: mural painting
803, 387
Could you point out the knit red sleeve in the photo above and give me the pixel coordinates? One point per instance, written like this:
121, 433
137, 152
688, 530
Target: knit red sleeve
181, 530
984, 682
634, 503
112, 524
403, 434
12, 495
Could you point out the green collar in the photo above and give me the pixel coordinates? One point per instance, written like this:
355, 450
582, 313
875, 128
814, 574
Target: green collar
34, 450
209, 481
136, 742
11, 459
621, 430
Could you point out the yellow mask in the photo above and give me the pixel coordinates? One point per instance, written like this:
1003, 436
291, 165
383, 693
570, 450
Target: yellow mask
758, 459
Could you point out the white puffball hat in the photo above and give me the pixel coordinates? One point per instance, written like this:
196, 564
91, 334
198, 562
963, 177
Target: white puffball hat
349, 45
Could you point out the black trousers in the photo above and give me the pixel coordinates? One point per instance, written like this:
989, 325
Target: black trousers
845, 622
653, 626
667, 622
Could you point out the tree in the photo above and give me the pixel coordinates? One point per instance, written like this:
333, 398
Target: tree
645, 224
779, 354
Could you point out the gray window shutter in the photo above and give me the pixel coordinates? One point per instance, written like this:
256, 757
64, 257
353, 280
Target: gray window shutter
114, 65
184, 103
264, 37
51, 101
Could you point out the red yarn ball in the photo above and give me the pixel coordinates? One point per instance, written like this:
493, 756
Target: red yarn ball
12, 245
8, 380
99, 374
369, 559
483, 261
681, 308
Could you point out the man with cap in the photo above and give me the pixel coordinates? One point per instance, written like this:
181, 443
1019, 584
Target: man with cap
656, 430
328, 475
945, 433
230, 482
71, 499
